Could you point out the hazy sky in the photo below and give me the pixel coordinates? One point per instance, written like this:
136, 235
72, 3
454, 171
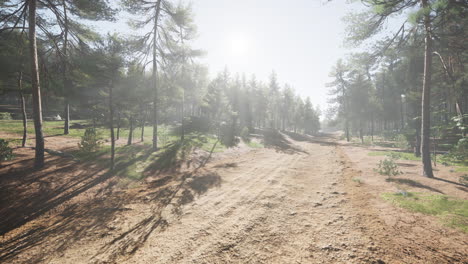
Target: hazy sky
299, 39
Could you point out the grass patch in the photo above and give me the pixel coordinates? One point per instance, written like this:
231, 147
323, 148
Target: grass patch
135, 162
452, 212
208, 143
462, 169
49, 127
255, 144
395, 154
357, 180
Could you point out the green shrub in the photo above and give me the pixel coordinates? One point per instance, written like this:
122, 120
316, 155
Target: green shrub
6, 153
402, 142
388, 167
245, 134
464, 179
5, 116
459, 153
89, 141
389, 135
163, 135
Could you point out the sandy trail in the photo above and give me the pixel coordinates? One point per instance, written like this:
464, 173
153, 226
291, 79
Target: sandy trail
271, 207
294, 202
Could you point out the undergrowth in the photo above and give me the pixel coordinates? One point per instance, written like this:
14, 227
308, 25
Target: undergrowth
450, 211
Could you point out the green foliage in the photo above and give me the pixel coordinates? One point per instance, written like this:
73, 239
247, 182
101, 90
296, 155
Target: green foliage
402, 142
357, 180
464, 179
451, 211
228, 135
458, 154
245, 134
460, 122
5, 116
6, 153
395, 155
388, 167
89, 141
255, 144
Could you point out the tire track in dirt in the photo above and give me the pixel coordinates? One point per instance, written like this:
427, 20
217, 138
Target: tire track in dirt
273, 207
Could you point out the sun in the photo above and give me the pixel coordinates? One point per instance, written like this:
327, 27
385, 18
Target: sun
239, 45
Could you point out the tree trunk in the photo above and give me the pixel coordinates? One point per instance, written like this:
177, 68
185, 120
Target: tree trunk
66, 81
155, 77
182, 135
118, 125
402, 113
417, 146
360, 132
23, 110
130, 132
36, 88
426, 97
111, 124
143, 121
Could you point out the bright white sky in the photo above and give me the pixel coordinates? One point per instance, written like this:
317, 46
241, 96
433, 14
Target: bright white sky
299, 39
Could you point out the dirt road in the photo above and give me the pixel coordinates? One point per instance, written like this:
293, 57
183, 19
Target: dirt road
293, 202
272, 206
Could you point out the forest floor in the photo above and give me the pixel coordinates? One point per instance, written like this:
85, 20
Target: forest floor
298, 200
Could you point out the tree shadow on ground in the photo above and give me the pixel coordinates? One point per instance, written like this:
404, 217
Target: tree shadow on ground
413, 183
174, 156
80, 200
406, 165
169, 197
49, 192
274, 139
323, 139
452, 182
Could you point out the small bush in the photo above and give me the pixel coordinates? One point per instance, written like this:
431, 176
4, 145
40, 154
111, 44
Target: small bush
464, 179
388, 167
245, 134
390, 135
458, 154
402, 142
163, 136
5, 116
89, 141
6, 153
357, 180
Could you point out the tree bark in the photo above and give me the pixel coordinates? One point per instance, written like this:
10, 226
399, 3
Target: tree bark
36, 88
111, 124
23, 109
182, 135
155, 77
426, 96
66, 81
118, 125
143, 121
130, 132
361, 135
